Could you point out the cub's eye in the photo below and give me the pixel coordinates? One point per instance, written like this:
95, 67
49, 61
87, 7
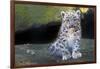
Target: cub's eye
66, 31
64, 40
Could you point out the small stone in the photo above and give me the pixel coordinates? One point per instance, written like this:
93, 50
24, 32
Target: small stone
28, 51
32, 52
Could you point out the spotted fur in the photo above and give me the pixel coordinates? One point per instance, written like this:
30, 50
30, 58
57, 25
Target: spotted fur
67, 44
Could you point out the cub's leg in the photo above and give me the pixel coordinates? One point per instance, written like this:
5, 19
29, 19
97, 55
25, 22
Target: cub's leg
75, 52
66, 54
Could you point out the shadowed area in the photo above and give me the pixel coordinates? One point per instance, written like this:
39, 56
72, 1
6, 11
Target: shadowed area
38, 33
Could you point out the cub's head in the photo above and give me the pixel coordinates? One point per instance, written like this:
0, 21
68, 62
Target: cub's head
70, 17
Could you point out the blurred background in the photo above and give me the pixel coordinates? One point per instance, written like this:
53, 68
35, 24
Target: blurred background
40, 23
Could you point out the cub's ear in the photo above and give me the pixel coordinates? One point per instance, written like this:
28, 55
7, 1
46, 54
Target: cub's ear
78, 12
63, 14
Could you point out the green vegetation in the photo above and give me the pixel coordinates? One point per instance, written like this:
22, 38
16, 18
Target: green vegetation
26, 15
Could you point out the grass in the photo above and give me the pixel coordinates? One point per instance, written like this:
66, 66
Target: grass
26, 15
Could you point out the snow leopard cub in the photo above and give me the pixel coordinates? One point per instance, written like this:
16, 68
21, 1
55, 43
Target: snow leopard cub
67, 43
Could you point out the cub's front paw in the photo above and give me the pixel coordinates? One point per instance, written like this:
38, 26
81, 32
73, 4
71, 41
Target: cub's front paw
66, 57
76, 54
